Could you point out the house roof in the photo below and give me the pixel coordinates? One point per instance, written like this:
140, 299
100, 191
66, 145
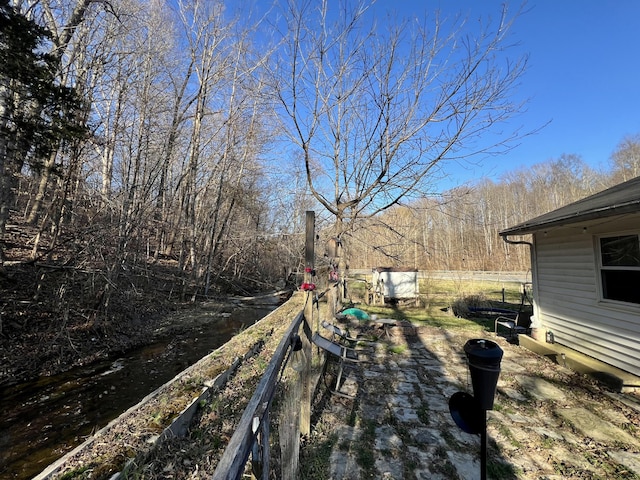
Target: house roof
620, 199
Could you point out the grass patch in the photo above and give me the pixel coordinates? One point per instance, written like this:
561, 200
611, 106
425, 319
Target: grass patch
441, 298
424, 413
504, 430
315, 458
358, 288
448, 290
74, 473
433, 316
499, 470
548, 443
365, 456
612, 469
444, 466
451, 440
398, 349
505, 409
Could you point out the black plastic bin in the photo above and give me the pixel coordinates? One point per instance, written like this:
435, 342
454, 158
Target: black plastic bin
484, 357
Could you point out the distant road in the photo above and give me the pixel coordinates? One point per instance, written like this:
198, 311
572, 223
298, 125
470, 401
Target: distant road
517, 277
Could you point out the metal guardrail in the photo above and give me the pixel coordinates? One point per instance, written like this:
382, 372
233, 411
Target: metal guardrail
497, 276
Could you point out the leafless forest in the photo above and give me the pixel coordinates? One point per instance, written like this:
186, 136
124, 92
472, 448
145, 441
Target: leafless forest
183, 142
459, 230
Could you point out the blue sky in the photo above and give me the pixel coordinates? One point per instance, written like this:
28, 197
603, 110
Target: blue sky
583, 77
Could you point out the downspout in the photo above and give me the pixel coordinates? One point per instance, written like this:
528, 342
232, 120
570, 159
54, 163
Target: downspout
522, 242
518, 242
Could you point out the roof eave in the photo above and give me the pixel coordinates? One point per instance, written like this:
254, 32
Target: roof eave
609, 211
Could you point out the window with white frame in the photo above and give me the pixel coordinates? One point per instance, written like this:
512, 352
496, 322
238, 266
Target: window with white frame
620, 268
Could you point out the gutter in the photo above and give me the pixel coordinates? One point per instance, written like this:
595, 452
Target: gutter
506, 238
548, 221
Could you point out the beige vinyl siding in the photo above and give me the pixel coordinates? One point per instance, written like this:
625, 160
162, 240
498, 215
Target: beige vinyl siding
568, 294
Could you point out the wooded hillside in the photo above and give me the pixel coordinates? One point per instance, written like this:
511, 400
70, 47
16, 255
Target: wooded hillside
459, 230
140, 168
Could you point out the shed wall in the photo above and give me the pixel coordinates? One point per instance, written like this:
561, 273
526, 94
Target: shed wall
568, 294
397, 284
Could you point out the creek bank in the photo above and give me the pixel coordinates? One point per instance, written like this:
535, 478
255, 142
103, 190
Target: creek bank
44, 418
135, 431
46, 345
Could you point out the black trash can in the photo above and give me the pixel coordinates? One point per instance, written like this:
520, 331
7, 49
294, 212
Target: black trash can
484, 358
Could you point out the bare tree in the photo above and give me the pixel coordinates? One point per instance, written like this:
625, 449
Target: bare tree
378, 112
625, 160
37, 109
62, 20
459, 228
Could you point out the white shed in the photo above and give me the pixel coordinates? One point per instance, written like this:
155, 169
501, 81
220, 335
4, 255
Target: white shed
396, 283
585, 260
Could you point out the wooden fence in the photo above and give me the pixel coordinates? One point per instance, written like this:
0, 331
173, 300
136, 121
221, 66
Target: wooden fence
251, 437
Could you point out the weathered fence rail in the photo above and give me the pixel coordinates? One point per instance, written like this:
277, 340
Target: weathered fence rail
252, 432
251, 437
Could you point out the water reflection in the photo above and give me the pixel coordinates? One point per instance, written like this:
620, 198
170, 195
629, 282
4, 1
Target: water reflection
44, 419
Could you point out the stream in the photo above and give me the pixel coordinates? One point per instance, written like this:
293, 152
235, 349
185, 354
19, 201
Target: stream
43, 419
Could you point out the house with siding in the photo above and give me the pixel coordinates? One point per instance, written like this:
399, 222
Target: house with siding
585, 260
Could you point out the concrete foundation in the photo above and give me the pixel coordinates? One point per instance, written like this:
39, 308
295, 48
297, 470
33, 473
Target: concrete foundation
613, 377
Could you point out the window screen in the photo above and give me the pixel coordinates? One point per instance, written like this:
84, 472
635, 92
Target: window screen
620, 268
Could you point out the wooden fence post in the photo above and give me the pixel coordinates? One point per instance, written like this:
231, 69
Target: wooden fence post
309, 257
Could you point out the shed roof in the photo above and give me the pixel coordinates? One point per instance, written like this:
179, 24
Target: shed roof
620, 199
395, 269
